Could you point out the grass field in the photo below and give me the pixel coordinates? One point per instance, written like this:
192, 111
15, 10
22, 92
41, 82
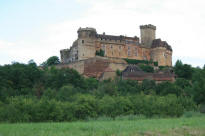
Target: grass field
194, 126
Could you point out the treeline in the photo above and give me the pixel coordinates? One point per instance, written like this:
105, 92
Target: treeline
84, 106
32, 93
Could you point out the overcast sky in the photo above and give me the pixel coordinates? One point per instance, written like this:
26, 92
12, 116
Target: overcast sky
38, 29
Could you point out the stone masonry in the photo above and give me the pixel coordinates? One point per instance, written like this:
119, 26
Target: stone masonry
148, 48
82, 55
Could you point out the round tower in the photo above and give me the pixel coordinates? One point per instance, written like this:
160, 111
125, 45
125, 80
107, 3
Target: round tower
86, 43
161, 52
147, 33
87, 32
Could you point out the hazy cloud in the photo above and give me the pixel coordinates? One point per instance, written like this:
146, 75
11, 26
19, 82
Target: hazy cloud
180, 23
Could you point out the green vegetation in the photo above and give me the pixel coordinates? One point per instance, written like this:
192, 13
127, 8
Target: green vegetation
100, 53
83, 106
155, 63
146, 68
183, 70
194, 126
134, 61
118, 72
54, 60
32, 94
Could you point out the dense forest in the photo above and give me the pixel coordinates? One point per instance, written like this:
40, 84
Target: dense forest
31, 93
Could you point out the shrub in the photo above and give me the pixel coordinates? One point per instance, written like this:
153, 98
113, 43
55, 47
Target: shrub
190, 114
85, 106
100, 53
155, 63
134, 61
202, 108
147, 68
118, 72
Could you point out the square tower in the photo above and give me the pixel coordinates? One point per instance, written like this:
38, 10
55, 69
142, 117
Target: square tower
147, 33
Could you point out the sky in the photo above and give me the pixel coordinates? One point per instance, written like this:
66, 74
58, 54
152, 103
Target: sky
38, 29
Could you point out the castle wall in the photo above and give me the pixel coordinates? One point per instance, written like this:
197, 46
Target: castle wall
162, 56
85, 52
89, 42
122, 50
65, 55
168, 58
103, 68
78, 66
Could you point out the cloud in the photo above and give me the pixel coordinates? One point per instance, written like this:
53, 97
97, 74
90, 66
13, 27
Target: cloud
180, 23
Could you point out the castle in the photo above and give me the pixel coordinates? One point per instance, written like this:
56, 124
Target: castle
89, 41
82, 54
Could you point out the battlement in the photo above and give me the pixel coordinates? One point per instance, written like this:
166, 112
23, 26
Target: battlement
64, 50
87, 29
148, 26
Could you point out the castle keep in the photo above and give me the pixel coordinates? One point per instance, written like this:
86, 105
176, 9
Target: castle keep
148, 48
82, 54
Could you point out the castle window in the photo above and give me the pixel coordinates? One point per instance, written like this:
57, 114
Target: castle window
136, 51
82, 41
165, 55
120, 47
129, 51
110, 46
103, 47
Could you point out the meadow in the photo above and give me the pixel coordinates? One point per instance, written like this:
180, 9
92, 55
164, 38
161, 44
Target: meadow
193, 126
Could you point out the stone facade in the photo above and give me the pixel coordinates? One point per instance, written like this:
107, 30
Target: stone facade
97, 67
89, 41
133, 72
103, 68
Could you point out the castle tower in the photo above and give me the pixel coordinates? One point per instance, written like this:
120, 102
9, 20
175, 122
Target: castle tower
86, 43
147, 33
161, 52
65, 55
87, 32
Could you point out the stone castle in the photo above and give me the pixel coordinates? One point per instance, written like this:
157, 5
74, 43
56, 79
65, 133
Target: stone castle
148, 48
82, 54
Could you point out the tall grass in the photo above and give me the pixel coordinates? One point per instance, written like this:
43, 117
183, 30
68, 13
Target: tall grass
118, 127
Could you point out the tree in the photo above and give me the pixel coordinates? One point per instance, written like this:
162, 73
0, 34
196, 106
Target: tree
32, 62
65, 93
183, 70
54, 60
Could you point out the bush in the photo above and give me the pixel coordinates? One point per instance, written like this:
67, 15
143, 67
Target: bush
190, 114
100, 53
147, 68
85, 106
164, 106
202, 108
118, 72
155, 63
134, 61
